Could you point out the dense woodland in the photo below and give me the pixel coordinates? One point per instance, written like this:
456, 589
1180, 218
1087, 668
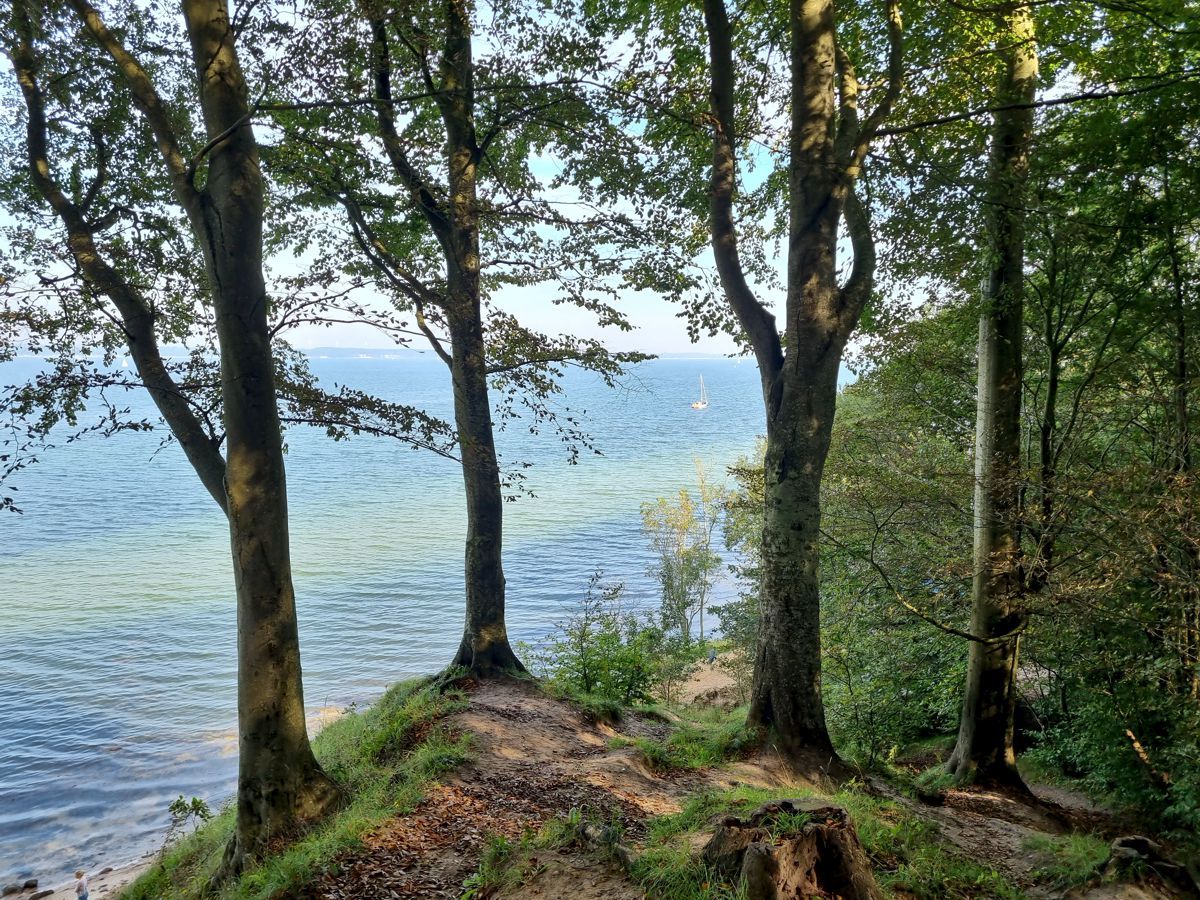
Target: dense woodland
989, 211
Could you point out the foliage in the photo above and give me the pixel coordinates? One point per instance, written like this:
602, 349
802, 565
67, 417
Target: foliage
191, 813
742, 510
606, 653
103, 155
368, 186
889, 677
893, 517
681, 533
383, 757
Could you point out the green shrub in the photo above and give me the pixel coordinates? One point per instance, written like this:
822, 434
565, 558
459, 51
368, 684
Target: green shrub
604, 654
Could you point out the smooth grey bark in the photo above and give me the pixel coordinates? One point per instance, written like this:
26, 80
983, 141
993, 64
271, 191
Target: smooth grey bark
485, 649
280, 784
1182, 464
984, 750
828, 145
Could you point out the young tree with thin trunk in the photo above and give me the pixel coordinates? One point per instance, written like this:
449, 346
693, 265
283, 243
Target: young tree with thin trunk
219, 191
798, 363
984, 750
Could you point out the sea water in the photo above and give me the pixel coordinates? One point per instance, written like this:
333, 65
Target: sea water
117, 657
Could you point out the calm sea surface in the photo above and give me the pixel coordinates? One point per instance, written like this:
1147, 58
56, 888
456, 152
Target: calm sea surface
117, 658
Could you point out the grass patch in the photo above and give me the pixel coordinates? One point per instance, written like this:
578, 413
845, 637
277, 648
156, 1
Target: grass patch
706, 737
497, 868
1069, 860
383, 757
934, 779
905, 851
669, 869
909, 857
672, 872
506, 863
594, 706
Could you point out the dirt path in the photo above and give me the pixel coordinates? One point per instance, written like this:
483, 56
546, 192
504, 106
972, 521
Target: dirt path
535, 759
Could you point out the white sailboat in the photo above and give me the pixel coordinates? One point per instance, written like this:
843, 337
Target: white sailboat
702, 403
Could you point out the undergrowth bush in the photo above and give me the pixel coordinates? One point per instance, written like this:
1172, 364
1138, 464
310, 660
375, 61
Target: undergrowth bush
699, 741
605, 653
1069, 860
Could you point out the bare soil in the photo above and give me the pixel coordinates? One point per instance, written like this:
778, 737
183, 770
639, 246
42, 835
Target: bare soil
535, 759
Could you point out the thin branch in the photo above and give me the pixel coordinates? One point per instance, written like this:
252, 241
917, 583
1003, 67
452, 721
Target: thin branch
1098, 94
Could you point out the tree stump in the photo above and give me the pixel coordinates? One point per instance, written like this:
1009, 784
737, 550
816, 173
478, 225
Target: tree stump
821, 858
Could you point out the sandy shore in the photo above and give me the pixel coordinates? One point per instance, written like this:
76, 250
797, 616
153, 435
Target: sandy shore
108, 884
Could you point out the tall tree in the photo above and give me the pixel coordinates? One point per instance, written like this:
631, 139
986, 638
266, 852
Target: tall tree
827, 147
984, 750
442, 207
219, 191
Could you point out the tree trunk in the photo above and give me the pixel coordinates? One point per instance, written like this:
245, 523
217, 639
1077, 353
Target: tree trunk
786, 692
280, 784
1190, 592
485, 649
827, 147
984, 751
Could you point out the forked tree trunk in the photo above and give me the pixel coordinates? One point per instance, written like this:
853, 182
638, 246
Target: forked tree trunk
827, 148
280, 784
984, 750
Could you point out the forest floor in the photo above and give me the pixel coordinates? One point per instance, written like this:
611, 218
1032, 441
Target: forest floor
537, 761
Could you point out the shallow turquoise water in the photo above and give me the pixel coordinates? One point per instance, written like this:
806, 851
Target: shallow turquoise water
116, 603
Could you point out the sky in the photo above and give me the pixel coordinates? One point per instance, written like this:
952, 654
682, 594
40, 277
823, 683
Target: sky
657, 327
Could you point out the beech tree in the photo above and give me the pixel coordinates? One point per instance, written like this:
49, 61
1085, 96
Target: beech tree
984, 751
81, 83
709, 106
827, 147
421, 124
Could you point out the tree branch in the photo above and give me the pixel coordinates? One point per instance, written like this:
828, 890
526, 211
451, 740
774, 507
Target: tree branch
147, 100
758, 323
1186, 75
